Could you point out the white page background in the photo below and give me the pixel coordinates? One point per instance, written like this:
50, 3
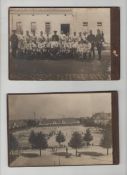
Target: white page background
7, 86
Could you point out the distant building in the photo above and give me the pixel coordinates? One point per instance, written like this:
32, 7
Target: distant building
67, 20
17, 124
59, 122
101, 118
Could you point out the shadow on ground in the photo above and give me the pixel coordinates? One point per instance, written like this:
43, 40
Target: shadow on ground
30, 155
91, 153
63, 154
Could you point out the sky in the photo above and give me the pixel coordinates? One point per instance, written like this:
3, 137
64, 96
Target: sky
58, 105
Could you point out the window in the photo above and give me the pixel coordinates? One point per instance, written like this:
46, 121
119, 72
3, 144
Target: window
47, 27
19, 29
99, 24
85, 24
33, 27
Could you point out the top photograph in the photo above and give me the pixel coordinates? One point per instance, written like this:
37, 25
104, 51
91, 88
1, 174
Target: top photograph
57, 43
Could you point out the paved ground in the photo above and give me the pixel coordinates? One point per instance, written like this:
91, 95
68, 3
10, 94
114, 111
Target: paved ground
89, 156
64, 69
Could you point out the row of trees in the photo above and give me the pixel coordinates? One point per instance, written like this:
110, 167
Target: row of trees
40, 140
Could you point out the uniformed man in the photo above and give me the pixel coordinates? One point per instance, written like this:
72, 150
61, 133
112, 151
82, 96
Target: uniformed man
75, 38
91, 38
41, 38
62, 37
14, 43
34, 37
84, 36
55, 37
80, 37
21, 44
99, 41
27, 36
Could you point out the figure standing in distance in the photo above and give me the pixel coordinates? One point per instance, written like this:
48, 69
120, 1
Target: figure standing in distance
91, 38
14, 43
99, 41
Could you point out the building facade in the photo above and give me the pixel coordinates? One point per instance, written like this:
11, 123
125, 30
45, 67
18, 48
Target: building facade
102, 118
68, 20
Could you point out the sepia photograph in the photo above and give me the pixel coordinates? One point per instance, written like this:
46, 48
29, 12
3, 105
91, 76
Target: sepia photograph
63, 43
63, 129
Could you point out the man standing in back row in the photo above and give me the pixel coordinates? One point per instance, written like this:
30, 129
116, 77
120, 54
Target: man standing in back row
55, 37
91, 38
99, 41
14, 43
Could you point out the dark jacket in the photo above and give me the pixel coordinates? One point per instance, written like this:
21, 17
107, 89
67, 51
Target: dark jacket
14, 41
91, 38
55, 38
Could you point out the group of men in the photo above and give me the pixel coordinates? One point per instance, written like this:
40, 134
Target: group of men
81, 45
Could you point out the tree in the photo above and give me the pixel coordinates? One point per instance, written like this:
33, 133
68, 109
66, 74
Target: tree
32, 139
13, 143
60, 137
38, 141
76, 141
106, 141
88, 136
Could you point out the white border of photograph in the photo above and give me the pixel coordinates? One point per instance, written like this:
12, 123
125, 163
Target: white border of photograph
7, 86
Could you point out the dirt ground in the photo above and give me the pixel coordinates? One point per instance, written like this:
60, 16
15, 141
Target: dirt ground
88, 156
93, 154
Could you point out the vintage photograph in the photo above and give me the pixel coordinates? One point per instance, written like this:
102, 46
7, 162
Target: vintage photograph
61, 43
62, 129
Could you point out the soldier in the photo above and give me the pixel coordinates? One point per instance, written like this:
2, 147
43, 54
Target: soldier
99, 41
14, 43
55, 45
74, 44
21, 44
34, 37
80, 37
84, 37
62, 37
91, 38
41, 37
27, 36
55, 37
74, 37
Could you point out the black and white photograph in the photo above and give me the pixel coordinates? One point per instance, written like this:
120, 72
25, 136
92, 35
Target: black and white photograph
62, 129
61, 43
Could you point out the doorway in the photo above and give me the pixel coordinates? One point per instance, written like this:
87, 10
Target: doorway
65, 28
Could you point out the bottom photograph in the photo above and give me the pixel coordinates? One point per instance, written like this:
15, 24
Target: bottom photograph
63, 129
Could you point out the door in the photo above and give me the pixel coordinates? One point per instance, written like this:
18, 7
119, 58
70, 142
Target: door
65, 28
